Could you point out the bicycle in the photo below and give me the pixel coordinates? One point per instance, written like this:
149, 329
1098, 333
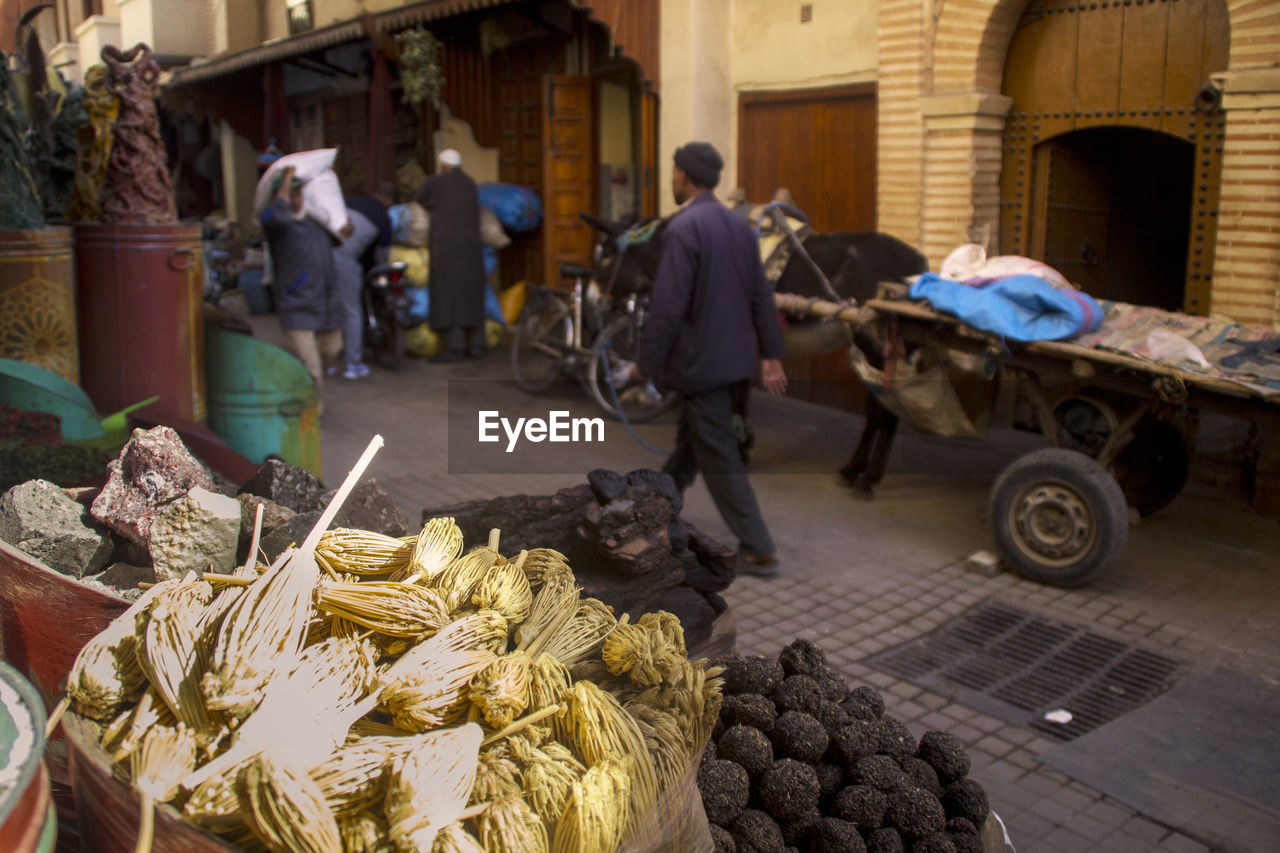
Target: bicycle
554, 340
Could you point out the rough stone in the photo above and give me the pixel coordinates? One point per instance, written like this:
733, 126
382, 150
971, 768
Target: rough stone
288, 485
122, 579
273, 514
292, 532
154, 468
660, 483
369, 507
196, 533
606, 485
40, 519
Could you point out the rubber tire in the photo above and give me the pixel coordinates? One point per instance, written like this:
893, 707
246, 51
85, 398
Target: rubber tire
622, 335
1097, 493
537, 325
388, 347
1153, 468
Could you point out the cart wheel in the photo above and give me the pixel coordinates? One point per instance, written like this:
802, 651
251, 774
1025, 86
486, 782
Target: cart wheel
1153, 468
1058, 517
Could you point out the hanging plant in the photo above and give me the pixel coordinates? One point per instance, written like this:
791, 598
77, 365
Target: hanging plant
420, 71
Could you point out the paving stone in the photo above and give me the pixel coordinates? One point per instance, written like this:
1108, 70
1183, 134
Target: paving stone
1145, 830
1178, 843
1051, 809
1068, 841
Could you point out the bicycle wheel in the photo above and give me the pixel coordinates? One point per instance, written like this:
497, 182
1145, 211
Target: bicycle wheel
543, 339
614, 349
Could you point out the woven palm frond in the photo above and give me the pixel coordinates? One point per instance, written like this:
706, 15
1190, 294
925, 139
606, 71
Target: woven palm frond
429, 788
261, 634
363, 552
438, 545
581, 633
285, 809
106, 674
389, 607
508, 825
504, 588
501, 690
596, 813
331, 682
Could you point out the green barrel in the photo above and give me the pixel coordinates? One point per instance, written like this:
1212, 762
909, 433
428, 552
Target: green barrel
261, 400
28, 821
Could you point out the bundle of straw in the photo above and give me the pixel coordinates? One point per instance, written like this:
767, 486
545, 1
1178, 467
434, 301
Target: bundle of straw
596, 813
500, 691
549, 774
542, 563
457, 582
598, 728
496, 776
665, 742
364, 833
429, 788
126, 732
166, 755
351, 779
388, 607
504, 588
362, 552
582, 633
555, 602
285, 809
454, 838
640, 650
508, 825
438, 545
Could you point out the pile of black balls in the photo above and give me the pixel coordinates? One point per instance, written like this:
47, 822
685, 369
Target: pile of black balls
799, 761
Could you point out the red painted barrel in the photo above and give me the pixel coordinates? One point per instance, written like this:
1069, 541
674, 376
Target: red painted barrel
38, 300
141, 329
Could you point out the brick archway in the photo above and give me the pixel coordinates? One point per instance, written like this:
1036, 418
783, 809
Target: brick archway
942, 115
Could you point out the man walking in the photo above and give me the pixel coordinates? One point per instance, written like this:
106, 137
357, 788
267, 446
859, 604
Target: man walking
457, 263
710, 306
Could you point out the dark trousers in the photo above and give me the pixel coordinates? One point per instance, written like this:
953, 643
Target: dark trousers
706, 441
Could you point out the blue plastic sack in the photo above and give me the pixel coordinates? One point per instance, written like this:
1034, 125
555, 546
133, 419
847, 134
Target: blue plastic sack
399, 216
420, 305
519, 209
1020, 308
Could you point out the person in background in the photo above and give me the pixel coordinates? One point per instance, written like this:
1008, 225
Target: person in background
374, 208
358, 235
457, 278
307, 301
710, 306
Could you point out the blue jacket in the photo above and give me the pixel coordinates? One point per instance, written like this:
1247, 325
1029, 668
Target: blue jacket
302, 266
710, 304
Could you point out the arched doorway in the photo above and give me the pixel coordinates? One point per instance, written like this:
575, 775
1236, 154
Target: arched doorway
1112, 150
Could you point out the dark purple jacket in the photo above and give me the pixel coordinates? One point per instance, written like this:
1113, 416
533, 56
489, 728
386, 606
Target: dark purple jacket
710, 304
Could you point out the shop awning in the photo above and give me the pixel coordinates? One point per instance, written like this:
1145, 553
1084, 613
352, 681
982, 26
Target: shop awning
392, 20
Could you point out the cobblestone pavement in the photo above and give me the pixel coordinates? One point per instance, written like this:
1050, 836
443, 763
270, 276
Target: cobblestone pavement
1197, 580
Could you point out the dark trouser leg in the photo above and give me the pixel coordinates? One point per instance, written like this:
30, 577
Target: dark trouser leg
479, 347
708, 421
888, 427
682, 464
455, 340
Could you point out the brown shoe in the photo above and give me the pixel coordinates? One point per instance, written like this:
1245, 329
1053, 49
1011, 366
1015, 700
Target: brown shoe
759, 565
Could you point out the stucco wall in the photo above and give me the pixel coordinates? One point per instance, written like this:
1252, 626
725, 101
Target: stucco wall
477, 161
175, 27
714, 49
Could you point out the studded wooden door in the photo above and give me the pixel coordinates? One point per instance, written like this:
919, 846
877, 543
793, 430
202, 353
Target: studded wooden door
1074, 67
1072, 200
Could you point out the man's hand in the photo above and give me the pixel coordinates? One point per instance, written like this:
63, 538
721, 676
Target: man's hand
773, 376
346, 230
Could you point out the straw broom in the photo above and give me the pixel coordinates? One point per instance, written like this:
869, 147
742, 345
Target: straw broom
329, 683
496, 776
454, 838
430, 786
505, 588
581, 633
508, 825
364, 833
438, 545
285, 809
595, 814
392, 608
363, 552
555, 602
126, 732
263, 632
641, 651
457, 582
351, 779
549, 774
167, 754
500, 691
543, 562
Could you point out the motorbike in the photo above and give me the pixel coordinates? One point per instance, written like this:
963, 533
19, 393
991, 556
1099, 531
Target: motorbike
386, 304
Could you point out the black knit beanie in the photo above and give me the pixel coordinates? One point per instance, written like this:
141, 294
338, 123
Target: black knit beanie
701, 162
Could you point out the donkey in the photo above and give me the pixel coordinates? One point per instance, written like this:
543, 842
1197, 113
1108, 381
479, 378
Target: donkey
853, 265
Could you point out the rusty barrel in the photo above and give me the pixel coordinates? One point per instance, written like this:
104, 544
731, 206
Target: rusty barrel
141, 326
28, 822
38, 300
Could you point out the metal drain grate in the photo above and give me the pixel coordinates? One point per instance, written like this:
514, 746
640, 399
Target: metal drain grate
1017, 666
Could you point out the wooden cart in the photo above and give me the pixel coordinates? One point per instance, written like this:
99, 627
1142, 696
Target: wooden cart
1121, 432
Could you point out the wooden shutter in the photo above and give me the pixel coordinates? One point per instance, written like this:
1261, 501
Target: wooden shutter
568, 180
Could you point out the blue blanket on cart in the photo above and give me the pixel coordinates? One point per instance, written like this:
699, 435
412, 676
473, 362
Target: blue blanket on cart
1020, 308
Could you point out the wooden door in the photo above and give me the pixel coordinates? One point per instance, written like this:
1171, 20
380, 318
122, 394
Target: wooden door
1072, 203
819, 144
568, 179
1137, 65
650, 192
520, 158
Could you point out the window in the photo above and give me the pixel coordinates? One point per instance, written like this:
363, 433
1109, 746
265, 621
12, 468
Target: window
300, 17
